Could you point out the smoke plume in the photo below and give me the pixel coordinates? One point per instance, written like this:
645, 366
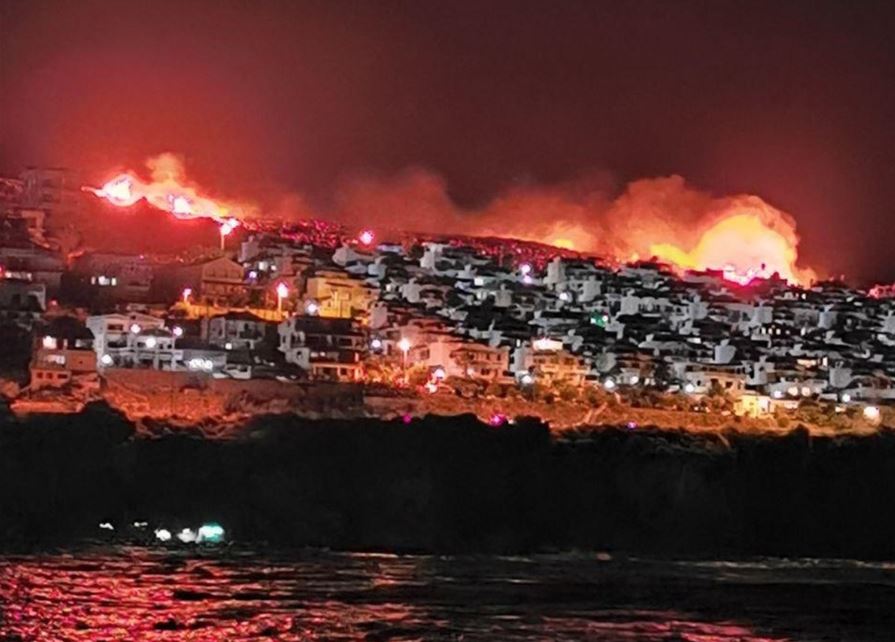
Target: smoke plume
653, 217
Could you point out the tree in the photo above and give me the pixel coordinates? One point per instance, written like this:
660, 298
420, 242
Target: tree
593, 396
494, 389
567, 392
69, 240
661, 375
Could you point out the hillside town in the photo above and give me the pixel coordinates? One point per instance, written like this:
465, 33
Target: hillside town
279, 306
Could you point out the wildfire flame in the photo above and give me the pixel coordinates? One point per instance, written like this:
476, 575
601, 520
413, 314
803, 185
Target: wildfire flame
563, 243
168, 190
742, 236
748, 240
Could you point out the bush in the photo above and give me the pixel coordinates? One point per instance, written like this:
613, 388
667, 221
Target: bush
494, 389
567, 392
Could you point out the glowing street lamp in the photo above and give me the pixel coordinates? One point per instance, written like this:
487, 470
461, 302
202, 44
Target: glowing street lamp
404, 347
226, 228
135, 328
871, 414
366, 237
282, 293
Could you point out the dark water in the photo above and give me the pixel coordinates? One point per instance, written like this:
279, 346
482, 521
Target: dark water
161, 595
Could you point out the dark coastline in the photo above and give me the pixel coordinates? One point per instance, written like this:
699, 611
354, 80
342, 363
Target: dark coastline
454, 485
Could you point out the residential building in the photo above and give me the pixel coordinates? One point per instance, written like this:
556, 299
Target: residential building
116, 338
218, 281
22, 302
339, 295
459, 357
237, 330
63, 354
325, 348
118, 277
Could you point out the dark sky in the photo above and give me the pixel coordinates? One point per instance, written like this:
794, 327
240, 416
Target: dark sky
793, 101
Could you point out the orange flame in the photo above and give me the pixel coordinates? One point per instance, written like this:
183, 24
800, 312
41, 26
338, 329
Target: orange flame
749, 239
563, 243
742, 236
168, 190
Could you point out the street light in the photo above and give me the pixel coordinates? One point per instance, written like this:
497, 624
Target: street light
871, 413
187, 292
226, 227
366, 237
282, 293
404, 346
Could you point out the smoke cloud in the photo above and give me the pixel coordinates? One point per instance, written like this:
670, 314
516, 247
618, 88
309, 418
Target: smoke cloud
652, 217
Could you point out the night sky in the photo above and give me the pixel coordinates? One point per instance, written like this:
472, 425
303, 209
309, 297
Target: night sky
792, 101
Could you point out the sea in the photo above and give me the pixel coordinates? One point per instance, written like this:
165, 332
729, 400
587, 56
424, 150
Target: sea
157, 593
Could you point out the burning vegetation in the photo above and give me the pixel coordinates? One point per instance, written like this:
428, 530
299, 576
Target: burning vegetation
661, 218
169, 190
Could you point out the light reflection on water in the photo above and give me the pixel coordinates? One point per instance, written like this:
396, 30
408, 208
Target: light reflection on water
167, 595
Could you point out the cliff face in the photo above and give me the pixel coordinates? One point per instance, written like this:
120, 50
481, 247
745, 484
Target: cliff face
451, 484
